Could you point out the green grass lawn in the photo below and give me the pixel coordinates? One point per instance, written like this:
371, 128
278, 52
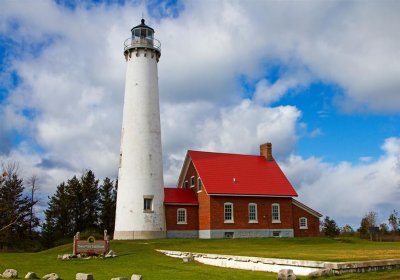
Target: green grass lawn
140, 257
318, 249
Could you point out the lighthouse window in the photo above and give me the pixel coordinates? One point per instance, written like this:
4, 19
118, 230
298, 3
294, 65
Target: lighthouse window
137, 33
148, 204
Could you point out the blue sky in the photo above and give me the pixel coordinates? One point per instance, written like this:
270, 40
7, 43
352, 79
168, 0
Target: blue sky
318, 79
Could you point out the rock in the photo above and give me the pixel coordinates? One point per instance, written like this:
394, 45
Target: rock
119, 278
320, 272
188, 258
286, 274
136, 277
51, 276
111, 254
84, 276
66, 257
10, 273
31, 275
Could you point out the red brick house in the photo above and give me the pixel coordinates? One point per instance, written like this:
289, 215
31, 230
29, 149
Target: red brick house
231, 196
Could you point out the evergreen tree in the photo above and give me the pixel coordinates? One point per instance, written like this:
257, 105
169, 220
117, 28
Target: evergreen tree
90, 205
73, 208
58, 223
330, 228
107, 203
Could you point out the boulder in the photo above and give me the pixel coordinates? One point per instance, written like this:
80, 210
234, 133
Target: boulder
110, 254
188, 258
31, 275
84, 276
286, 274
51, 276
136, 277
66, 257
10, 273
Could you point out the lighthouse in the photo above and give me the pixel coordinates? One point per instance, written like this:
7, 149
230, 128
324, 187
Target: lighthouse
140, 210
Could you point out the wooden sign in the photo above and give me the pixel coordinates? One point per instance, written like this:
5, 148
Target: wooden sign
91, 246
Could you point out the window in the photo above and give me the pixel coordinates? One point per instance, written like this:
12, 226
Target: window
199, 184
276, 234
252, 213
276, 213
181, 216
192, 180
303, 223
186, 184
148, 204
228, 234
228, 212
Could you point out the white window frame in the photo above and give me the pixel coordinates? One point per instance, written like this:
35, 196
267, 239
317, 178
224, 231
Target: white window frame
184, 221
255, 220
192, 181
305, 223
199, 185
276, 220
231, 220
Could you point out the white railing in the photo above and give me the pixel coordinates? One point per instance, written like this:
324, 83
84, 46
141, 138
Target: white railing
142, 43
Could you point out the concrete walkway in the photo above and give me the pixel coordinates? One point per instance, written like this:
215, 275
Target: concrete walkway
299, 267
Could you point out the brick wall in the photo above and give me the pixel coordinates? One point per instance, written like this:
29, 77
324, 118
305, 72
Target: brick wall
312, 223
192, 217
241, 212
203, 198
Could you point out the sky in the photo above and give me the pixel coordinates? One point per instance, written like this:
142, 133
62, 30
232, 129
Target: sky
318, 79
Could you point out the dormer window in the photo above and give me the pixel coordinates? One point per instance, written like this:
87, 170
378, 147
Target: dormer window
192, 181
199, 185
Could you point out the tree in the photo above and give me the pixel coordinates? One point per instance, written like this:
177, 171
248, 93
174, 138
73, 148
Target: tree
394, 221
14, 209
383, 228
90, 206
330, 228
58, 221
73, 208
346, 229
368, 221
33, 220
107, 204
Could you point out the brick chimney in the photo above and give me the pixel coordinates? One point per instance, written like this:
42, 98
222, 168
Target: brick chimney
266, 151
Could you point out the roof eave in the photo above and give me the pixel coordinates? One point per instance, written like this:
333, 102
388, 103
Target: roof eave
254, 195
306, 208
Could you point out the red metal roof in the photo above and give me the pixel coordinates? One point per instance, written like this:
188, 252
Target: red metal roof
179, 196
236, 174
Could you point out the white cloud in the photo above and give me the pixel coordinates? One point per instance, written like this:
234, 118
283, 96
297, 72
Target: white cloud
347, 191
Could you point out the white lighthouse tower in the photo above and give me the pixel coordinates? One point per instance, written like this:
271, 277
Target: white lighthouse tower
140, 210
